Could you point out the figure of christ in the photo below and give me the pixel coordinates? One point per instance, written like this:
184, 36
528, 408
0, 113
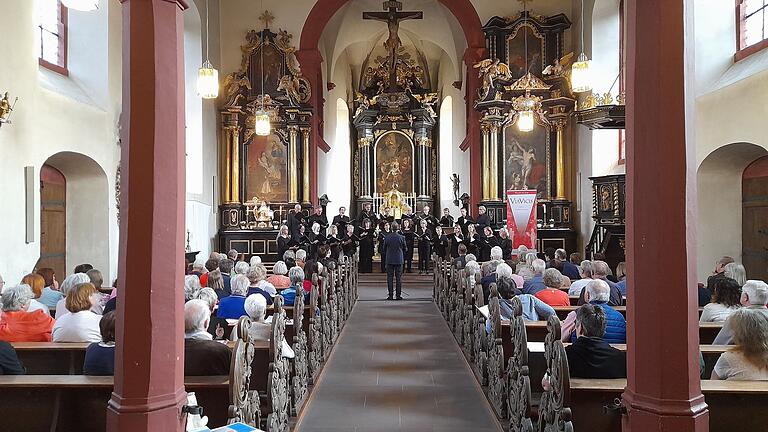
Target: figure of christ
269, 174
525, 157
392, 17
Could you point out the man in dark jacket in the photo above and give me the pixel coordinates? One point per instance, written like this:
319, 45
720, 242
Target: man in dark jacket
590, 356
294, 220
394, 248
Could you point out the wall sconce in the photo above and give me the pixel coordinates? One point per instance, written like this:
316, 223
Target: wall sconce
6, 108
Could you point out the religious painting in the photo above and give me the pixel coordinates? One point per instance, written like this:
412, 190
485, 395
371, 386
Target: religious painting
394, 163
267, 175
516, 52
272, 67
526, 160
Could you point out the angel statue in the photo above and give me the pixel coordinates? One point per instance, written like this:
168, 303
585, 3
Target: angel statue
559, 66
456, 182
490, 70
290, 85
427, 100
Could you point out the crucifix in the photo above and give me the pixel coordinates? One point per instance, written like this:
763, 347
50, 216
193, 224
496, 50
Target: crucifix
392, 15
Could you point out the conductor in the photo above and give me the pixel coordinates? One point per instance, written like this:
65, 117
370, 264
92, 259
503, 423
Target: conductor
394, 247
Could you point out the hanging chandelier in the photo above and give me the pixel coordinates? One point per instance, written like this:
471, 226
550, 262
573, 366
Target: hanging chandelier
580, 74
527, 106
207, 75
81, 5
262, 126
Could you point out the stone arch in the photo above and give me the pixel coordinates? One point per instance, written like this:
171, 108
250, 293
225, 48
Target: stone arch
87, 211
719, 189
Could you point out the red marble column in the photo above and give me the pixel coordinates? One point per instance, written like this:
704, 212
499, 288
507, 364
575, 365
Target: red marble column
663, 388
472, 141
149, 359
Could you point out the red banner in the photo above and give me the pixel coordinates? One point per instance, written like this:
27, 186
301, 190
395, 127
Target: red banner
521, 218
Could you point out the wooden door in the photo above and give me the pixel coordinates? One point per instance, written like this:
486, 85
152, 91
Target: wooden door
53, 221
755, 219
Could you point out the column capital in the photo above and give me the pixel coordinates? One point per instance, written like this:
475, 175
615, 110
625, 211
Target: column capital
182, 4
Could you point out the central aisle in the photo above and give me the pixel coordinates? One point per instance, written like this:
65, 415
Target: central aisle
396, 367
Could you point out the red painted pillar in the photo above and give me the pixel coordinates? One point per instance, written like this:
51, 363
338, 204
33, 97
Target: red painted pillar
149, 359
311, 62
663, 388
472, 142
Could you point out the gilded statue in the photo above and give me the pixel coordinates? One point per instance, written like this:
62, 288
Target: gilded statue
489, 70
5, 108
394, 200
559, 66
290, 85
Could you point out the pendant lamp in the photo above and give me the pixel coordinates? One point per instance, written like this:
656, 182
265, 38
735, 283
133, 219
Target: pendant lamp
262, 126
207, 75
580, 75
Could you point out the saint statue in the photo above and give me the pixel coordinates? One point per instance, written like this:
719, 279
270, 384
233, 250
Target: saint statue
394, 200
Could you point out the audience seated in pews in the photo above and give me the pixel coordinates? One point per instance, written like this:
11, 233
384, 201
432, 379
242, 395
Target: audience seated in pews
69, 282
748, 359
233, 306
279, 279
36, 283
241, 267
600, 271
100, 356
191, 287
533, 308
225, 266
571, 271
536, 283
754, 295
590, 356
80, 324
725, 300
597, 293
51, 294
257, 275
9, 361
459, 262
705, 293
202, 355
296, 275
489, 267
585, 271
552, 294
256, 309
17, 324
216, 325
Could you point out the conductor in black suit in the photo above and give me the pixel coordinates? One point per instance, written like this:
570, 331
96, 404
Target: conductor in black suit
295, 219
394, 248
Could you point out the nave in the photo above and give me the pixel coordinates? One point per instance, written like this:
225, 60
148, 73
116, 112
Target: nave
396, 367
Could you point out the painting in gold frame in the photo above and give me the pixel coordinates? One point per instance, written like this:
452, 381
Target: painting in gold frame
267, 170
527, 160
516, 51
394, 163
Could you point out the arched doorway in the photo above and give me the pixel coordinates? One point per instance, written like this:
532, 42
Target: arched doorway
75, 198
53, 220
755, 219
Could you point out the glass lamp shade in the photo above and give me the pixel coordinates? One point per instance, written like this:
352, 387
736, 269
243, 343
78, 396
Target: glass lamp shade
580, 79
525, 121
207, 81
262, 126
81, 5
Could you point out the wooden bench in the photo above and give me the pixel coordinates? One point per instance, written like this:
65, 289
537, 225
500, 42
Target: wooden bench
537, 331
78, 403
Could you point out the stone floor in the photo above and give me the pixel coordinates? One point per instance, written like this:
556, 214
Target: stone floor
396, 367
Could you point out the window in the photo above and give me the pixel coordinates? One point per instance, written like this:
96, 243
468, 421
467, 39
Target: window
52, 35
752, 16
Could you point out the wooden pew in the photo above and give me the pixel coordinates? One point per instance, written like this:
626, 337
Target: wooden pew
78, 403
537, 331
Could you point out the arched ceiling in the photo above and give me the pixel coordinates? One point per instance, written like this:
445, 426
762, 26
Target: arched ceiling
437, 35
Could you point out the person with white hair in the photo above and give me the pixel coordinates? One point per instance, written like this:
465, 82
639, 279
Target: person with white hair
301, 257
290, 258
241, 267
296, 275
255, 259
233, 306
17, 324
597, 292
533, 309
198, 268
257, 283
536, 283
233, 254
737, 272
191, 287
278, 279
754, 295
202, 355
217, 326
552, 294
472, 270
69, 282
600, 271
585, 271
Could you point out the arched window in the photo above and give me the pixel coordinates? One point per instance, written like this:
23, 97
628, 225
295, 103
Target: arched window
446, 151
752, 34
51, 29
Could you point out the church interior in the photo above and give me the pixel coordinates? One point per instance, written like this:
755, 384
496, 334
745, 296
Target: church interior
574, 202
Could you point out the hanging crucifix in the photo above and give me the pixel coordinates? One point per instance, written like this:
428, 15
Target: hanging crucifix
392, 16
